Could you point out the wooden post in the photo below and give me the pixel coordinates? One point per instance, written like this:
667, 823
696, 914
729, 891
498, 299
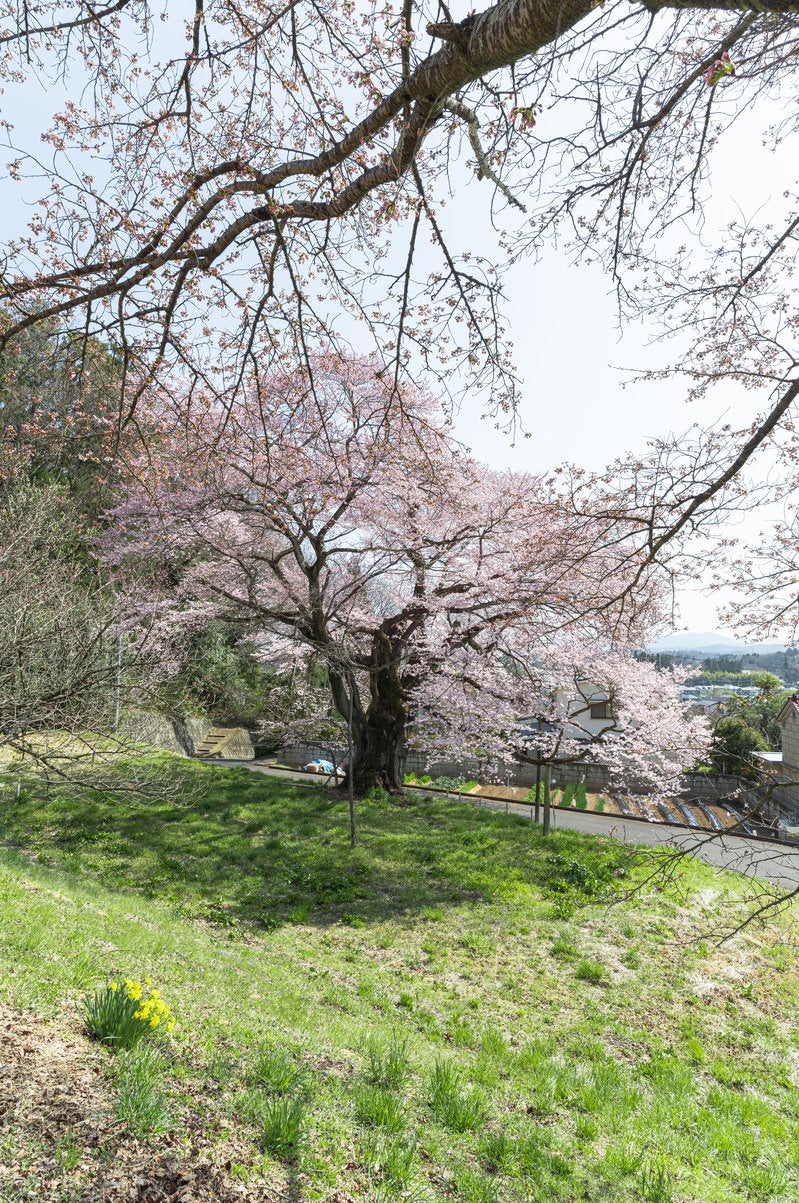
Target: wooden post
118, 683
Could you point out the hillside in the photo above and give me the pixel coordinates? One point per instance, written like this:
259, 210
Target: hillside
454, 1011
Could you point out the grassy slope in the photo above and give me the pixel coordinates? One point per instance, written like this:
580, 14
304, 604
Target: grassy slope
605, 1054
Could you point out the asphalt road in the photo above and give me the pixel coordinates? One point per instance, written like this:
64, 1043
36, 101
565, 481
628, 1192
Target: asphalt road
259, 766
767, 861
761, 859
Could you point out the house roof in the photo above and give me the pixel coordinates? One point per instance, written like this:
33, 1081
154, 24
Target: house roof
789, 710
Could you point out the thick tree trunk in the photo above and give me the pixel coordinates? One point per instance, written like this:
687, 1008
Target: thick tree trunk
379, 753
380, 741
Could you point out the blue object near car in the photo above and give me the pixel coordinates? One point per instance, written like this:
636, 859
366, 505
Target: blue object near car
323, 766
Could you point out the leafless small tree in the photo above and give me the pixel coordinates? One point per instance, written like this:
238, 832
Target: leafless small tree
70, 654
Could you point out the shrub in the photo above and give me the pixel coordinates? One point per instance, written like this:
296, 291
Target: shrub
588, 881
580, 798
564, 904
121, 1016
453, 785
568, 796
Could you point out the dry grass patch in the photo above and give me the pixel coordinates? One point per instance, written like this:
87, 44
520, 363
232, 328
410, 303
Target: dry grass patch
61, 1138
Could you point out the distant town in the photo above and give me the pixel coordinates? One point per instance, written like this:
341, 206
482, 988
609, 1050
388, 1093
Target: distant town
726, 667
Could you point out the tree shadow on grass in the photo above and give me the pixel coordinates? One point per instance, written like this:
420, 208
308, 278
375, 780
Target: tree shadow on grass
241, 848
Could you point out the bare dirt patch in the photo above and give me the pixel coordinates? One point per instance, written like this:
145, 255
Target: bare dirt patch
60, 1141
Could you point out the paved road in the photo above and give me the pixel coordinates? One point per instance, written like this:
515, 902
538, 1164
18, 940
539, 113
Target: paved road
260, 766
771, 862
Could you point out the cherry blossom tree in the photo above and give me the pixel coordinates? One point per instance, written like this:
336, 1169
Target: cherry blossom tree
326, 510
226, 196
236, 184
574, 702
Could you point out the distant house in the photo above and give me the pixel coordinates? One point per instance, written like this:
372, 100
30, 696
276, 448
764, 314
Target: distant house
788, 718
582, 715
780, 770
590, 711
711, 708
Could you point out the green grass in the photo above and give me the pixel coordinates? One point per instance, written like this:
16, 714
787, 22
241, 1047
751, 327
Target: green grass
387, 1060
453, 1106
278, 1123
468, 1037
239, 848
141, 1104
275, 1071
591, 971
378, 1107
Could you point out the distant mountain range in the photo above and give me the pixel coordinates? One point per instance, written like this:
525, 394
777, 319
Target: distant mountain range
710, 643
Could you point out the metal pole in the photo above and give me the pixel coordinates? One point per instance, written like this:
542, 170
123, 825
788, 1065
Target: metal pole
538, 791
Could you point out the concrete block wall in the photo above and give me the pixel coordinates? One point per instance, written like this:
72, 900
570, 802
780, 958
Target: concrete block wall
295, 756
508, 773
779, 802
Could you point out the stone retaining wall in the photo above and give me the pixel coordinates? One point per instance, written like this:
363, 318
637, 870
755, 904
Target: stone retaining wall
174, 734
